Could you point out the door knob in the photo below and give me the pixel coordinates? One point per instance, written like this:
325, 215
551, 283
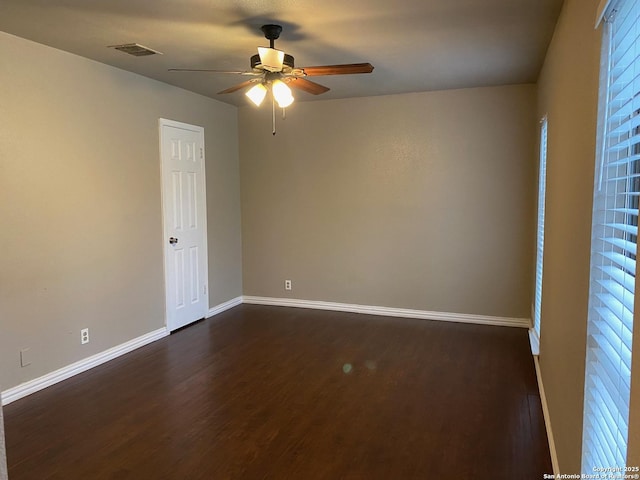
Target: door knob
173, 240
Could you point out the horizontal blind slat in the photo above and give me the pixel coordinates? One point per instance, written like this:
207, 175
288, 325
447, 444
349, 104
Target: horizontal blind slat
625, 143
623, 227
622, 161
624, 124
619, 299
627, 211
620, 260
622, 72
624, 245
619, 276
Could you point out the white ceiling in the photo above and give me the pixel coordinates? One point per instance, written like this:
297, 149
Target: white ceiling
414, 45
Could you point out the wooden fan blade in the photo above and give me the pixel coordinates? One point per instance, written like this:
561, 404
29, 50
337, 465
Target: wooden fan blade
206, 70
346, 69
307, 85
237, 87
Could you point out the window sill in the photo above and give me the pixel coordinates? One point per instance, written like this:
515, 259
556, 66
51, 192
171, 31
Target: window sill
534, 341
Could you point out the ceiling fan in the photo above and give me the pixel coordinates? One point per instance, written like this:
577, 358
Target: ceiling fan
274, 71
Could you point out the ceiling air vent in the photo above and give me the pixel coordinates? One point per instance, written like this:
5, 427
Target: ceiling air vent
135, 49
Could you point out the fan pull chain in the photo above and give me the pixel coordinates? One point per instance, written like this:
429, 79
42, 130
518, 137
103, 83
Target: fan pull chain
273, 113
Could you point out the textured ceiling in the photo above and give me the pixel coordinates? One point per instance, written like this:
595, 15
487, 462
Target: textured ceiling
415, 45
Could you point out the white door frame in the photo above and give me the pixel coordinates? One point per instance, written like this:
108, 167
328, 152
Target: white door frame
203, 261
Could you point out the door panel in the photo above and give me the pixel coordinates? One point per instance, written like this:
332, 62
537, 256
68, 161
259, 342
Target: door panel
184, 207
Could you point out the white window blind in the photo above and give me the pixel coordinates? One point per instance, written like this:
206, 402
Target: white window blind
542, 187
614, 243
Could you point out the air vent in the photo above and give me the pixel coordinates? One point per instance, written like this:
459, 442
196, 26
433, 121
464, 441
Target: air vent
135, 49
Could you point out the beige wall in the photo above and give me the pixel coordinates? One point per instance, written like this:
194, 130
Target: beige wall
80, 204
420, 201
568, 93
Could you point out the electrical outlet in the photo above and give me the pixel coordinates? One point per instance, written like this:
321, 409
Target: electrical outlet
25, 357
287, 284
84, 336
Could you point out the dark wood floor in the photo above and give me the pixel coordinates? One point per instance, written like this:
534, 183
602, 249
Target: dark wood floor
274, 393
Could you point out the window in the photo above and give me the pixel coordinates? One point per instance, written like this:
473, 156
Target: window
542, 187
613, 243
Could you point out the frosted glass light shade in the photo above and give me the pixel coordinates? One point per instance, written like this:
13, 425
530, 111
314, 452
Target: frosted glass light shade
271, 59
282, 93
256, 94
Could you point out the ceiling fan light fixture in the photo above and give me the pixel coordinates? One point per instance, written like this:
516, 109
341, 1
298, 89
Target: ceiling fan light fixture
271, 59
282, 93
256, 94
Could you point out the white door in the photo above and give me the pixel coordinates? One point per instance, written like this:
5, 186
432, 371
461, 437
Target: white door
185, 230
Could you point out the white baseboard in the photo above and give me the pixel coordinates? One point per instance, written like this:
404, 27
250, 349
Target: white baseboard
224, 306
390, 312
32, 386
547, 419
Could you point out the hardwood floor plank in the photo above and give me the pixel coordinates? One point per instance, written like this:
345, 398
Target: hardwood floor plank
275, 393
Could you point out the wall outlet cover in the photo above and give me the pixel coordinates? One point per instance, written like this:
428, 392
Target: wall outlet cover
25, 357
